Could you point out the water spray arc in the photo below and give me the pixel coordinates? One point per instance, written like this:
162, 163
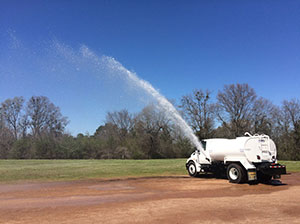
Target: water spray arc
113, 66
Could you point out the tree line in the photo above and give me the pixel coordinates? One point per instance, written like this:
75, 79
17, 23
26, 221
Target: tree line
36, 129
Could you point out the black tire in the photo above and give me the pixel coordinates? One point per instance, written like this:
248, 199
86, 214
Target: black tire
263, 178
191, 167
236, 173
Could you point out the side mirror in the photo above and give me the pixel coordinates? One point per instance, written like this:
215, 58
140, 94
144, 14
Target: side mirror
197, 150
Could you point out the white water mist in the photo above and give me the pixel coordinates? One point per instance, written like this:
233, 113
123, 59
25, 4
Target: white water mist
114, 67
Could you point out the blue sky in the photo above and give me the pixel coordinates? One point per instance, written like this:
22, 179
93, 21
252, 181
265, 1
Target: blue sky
177, 46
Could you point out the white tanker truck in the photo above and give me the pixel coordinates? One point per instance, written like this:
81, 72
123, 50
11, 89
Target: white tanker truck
244, 159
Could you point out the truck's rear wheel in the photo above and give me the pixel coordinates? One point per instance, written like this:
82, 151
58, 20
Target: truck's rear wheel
235, 173
263, 178
191, 167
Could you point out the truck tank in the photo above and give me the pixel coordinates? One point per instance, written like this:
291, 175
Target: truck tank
257, 148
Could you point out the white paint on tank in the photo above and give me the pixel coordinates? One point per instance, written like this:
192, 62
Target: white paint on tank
257, 148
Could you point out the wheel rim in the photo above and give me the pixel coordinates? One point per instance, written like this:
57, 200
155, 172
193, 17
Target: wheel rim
233, 173
192, 169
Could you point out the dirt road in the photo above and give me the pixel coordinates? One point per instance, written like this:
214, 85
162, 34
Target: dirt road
178, 199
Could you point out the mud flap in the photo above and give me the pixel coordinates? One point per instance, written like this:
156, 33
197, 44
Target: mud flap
251, 174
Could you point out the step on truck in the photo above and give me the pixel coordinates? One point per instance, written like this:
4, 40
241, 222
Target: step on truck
250, 158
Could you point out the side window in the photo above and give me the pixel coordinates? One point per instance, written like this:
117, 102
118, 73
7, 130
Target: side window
204, 144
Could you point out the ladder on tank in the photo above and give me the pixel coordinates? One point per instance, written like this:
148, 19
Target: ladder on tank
264, 144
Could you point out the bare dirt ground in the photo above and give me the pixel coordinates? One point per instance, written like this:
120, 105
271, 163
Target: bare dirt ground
176, 199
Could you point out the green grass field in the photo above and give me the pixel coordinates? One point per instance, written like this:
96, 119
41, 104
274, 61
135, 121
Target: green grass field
292, 166
64, 170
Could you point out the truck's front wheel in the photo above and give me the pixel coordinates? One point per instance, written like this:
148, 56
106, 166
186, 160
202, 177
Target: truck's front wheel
191, 167
235, 173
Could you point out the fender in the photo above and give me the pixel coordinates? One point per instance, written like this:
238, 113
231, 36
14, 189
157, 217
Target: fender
194, 159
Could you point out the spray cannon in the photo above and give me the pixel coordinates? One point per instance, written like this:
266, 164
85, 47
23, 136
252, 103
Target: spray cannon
201, 153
